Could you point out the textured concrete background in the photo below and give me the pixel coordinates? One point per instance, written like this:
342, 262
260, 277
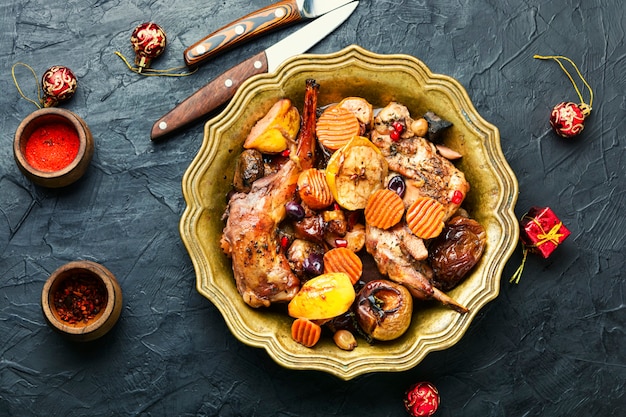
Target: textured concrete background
551, 346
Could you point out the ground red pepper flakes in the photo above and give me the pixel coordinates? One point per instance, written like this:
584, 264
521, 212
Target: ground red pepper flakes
52, 147
79, 298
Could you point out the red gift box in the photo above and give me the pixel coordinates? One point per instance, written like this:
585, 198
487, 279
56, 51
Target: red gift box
542, 231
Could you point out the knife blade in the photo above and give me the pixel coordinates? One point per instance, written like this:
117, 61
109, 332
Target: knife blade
223, 88
257, 23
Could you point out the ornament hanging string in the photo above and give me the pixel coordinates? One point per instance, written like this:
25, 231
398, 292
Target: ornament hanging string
19, 90
151, 72
585, 107
58, 84
518, 273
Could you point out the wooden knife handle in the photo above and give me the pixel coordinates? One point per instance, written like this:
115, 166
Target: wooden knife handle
209, 97
257, 23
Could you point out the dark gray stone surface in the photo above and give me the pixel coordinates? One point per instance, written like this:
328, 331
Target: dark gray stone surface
551, 346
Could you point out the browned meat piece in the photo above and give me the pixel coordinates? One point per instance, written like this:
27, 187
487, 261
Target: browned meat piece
428, 173
393, 259
261, 269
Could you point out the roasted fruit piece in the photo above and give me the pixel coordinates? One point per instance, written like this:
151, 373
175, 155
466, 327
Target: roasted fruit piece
323, 297
354, 172
276, 130
249, 168
384, 309
362, 109
456, 251
306, 258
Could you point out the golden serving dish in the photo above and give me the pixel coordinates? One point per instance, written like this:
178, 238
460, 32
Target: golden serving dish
380, 79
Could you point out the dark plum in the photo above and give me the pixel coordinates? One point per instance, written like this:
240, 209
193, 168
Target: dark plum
313, 265
295, 210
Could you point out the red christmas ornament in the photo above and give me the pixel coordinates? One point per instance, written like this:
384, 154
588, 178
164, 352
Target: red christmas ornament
568, 119
421, 399
59, 84
148, 40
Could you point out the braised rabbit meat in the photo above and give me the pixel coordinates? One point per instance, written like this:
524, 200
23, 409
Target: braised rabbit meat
250, 237
349, 184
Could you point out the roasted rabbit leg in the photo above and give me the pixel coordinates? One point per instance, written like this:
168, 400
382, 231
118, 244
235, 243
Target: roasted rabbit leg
250, 237
392, 254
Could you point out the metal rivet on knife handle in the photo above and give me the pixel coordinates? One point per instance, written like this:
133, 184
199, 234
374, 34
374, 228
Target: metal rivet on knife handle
209, 97
256, 23
223, 88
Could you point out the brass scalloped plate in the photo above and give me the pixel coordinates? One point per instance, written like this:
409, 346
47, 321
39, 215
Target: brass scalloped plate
380, 79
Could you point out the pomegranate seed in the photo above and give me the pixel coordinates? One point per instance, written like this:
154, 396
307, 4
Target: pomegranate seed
284, 241
457, 197
398, 126
395, 135
286, 152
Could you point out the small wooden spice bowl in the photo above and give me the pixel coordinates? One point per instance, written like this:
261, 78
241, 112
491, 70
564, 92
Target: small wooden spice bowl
82, 300
62, 158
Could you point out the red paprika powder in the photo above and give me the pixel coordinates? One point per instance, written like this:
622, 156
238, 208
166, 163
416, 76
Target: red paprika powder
52, 147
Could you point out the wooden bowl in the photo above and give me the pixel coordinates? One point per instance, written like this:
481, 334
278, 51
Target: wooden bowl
80, 283
379, 79
66, 174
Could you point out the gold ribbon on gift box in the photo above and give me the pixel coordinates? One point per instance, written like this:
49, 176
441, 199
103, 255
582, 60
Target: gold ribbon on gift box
552, 236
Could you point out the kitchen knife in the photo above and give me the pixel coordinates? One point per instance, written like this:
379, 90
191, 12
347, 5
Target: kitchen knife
223, 87
262, 21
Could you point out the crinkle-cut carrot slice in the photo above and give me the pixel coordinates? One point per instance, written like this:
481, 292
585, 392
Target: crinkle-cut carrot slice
336, 126
425, 217
313, 189
343, 260
306, 332
384, 209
